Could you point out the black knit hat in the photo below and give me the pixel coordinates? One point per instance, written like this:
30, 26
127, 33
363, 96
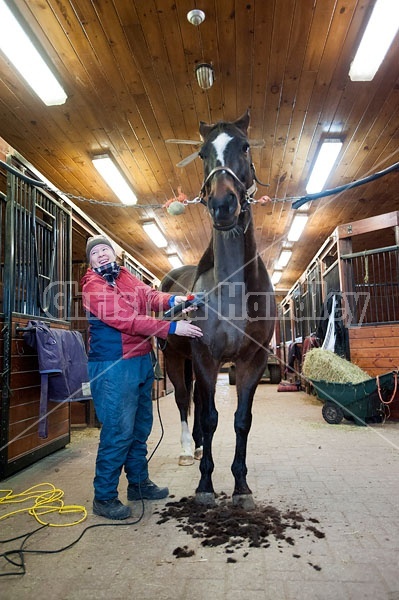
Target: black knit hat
93, 241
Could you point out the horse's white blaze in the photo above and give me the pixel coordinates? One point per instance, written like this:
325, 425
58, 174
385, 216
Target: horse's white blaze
220, 144
186, 440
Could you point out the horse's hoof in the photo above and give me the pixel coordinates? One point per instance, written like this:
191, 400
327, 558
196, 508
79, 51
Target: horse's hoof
244, 501
185, 460
198, 453
205, 498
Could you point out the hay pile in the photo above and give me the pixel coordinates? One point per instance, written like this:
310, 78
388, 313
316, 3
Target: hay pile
324, 365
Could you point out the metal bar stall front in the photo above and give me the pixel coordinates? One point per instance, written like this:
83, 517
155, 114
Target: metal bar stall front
37, 255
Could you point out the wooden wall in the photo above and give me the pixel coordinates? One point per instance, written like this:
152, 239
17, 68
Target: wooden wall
24, 444
375, 349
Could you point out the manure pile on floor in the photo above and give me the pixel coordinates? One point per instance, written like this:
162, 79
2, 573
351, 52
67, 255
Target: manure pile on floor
234, 528
325, 365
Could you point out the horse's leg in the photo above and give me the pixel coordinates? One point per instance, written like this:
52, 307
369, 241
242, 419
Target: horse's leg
206, 371
197, 430
247, 378
177, 368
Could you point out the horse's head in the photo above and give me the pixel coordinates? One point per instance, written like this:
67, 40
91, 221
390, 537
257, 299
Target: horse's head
228, 172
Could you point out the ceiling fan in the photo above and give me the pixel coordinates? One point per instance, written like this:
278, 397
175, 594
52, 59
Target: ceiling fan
193, 156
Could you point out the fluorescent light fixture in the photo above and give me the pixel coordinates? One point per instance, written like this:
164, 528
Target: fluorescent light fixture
22, 53
376, 40
175, 261
276, 277
284, 259
156, 235
298, 225
114, 178
325, 161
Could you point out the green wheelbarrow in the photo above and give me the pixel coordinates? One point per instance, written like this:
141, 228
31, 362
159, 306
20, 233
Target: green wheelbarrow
360, 402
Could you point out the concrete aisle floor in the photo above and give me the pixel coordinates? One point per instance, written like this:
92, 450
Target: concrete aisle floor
344, 476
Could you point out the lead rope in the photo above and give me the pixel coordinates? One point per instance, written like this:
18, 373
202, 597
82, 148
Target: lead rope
395, 376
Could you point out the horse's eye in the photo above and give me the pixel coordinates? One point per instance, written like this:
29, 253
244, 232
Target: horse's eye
201, 155
245, 148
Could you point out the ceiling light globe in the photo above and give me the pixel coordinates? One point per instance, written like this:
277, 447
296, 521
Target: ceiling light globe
196, 17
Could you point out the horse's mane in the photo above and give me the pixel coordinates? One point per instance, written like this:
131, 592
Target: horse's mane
240, 125
222, 126
206, 262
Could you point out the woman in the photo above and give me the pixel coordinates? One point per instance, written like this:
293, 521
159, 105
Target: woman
121, 373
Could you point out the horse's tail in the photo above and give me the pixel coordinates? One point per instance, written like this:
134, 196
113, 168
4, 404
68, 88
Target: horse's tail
188, 379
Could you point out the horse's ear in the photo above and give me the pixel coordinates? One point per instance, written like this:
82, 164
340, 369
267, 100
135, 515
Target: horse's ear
204, 129
243, 122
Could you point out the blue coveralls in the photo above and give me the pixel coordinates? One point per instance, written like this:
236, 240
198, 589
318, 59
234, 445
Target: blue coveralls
122, 398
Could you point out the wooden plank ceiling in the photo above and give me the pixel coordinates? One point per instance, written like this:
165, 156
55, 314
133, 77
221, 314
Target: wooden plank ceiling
128, 70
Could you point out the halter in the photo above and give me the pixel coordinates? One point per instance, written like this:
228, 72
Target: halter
249, 192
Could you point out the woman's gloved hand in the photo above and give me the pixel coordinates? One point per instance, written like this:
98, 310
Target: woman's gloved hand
181, 299
186, 329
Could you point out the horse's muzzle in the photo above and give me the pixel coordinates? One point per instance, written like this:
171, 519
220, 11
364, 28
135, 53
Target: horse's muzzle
225, 227
224, 212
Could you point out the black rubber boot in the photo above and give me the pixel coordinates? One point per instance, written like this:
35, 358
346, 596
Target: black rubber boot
111, 509
146, 490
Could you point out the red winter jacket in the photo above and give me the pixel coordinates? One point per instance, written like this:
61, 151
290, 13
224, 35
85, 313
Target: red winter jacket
120, 325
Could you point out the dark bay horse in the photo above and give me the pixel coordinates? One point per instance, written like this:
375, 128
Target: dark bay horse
237, 318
